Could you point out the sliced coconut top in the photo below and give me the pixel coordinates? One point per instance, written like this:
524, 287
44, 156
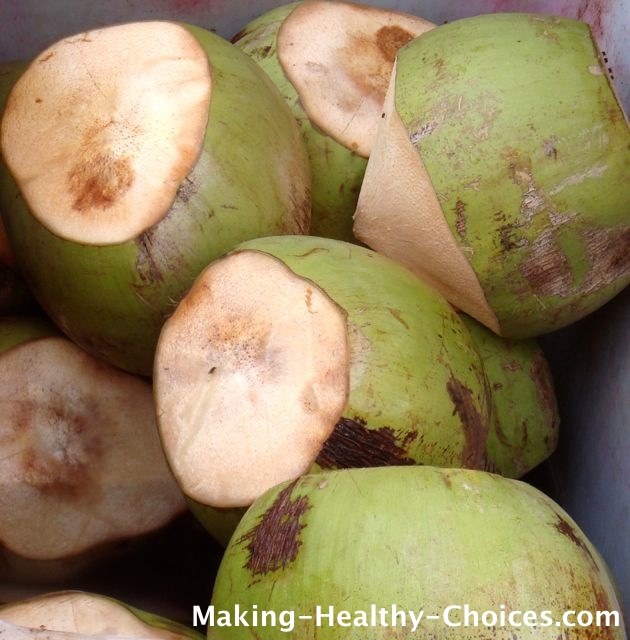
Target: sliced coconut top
84, 613
251, 376
399, 215
80, 458
339, 57
103, 127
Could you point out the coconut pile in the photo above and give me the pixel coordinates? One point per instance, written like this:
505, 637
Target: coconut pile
292, 284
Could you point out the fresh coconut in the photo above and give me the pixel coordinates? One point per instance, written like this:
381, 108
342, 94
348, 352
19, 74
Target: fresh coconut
499, 173
298, 351
141, 152
81, 465
410, 539
525, 419
331, 62
91, 616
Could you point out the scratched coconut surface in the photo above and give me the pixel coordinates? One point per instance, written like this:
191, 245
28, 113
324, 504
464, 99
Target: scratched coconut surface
590, 475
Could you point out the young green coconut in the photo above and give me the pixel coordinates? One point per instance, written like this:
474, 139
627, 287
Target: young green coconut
76, 613
525, 420
141, 152
81, 466
409, 539
331, 62
500, 171
294, 353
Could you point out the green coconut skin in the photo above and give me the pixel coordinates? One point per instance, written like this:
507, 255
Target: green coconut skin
151, 619
252, 179
528, 150
417, 537
16, 330
14, 294
525, 419
413, 363
337, 172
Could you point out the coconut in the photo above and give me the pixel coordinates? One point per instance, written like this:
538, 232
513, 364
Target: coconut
525, 420
331, 62
80, 460
292, 352
75, 614
499, 173
410, 539
141, 152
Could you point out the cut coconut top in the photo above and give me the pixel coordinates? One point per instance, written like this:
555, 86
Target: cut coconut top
399, 215
103, 127
339, 57
251, 376
75, 612
80, 458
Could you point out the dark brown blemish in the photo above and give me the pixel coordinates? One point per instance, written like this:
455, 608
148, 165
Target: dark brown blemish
352, 444
239, 35
565, 528
541, 375
275, 541
475, 428
308, 299
395, 313
608, 254
511, 365
546, 268
390, 39
147, 266
460, 219
47, 57
97, 181
38, 100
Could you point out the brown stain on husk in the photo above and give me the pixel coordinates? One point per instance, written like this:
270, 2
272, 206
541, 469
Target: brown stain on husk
474, 427
390, 39
352, 444
274, 542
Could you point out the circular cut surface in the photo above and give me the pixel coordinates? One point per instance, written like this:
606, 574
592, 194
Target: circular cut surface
251, 376
84, 613
339, 57
80, 459
103, 127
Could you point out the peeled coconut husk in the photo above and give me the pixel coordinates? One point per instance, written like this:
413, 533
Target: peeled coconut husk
417, 537
80, 460
297, 353
499, 172
161, 150
70, 615
525, 420
331, 62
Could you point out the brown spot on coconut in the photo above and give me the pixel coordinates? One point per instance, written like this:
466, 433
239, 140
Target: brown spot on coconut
341, 74
74, 615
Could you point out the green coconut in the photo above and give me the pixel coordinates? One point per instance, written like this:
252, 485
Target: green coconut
411, 538
331, 62
138, 153
87, 615
500, 171
299, 353
81, 467
525, 419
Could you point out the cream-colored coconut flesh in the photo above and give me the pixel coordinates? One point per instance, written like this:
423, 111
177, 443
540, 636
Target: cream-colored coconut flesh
99, 157
80, 458
397, 193
251, 376
74, 614
339, 57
